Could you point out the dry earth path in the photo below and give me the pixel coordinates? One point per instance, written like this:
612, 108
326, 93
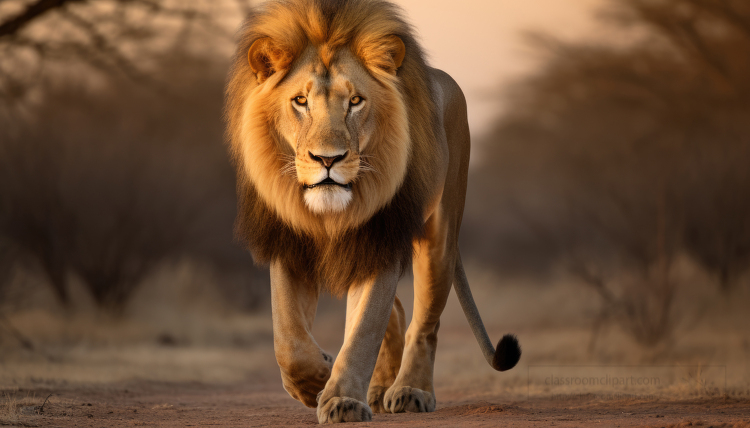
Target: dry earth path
265, 404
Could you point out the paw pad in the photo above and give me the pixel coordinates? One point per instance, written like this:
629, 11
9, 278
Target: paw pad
407, 399
343, 409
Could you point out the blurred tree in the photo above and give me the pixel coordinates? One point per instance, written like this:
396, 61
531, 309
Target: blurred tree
89, 194
111, 161
103, 38
32, 217
616, 159
708, 102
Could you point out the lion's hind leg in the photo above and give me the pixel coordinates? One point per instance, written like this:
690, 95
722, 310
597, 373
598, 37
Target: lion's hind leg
389, 358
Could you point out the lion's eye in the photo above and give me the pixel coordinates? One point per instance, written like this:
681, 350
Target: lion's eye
355, 100
300, 100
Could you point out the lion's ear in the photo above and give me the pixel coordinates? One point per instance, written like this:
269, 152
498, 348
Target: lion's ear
397, 50
386, 54
266, 58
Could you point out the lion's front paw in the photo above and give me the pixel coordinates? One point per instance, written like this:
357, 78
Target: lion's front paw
375, 398
408, 399
305, 379
343, 409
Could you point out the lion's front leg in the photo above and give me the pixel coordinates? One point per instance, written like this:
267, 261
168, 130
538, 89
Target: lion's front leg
305, 368
368, 309
413, 389
389, 358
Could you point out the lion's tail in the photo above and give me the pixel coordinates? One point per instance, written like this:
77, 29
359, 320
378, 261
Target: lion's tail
508, 350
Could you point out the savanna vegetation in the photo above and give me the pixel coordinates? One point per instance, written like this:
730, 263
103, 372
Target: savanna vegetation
616, 158
612, 161
609, 202
111, 155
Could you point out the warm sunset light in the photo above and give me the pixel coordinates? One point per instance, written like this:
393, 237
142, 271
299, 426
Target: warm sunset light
396, 212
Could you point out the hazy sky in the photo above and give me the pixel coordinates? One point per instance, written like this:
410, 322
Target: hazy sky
480, 43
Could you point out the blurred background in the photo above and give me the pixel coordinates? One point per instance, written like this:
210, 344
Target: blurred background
607, 217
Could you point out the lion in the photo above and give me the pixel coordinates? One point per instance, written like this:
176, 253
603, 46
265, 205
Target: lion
352, 157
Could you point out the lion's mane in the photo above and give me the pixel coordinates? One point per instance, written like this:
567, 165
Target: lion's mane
377, 231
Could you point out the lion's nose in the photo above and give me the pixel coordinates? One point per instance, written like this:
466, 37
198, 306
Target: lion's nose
327, 161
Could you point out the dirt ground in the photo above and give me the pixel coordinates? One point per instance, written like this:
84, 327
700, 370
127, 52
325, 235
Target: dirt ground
183, 361
265, 404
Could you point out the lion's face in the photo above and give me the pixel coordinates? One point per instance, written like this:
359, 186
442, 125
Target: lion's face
327, 119
321, 131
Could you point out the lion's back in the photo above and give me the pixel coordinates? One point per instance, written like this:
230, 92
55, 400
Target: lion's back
452, 135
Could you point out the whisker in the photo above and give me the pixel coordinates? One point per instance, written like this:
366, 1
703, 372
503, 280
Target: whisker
366, 166
288, 168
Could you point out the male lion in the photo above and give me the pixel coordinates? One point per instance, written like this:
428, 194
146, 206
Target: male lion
352, 156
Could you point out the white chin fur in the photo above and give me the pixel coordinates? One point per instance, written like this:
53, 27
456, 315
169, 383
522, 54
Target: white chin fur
327, 199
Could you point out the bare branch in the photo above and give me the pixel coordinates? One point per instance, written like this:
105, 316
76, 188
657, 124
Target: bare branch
34, 11
101, 44
683, 33
723, 9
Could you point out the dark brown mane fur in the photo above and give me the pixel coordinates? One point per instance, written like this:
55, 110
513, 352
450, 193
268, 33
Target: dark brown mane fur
359, 253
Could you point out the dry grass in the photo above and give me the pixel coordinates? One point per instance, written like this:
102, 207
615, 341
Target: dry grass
9, 409
16, 407
553, 323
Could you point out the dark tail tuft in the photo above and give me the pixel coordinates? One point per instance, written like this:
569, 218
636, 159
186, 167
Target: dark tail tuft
507, 353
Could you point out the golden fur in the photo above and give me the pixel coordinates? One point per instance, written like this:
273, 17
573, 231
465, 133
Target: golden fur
389, 199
